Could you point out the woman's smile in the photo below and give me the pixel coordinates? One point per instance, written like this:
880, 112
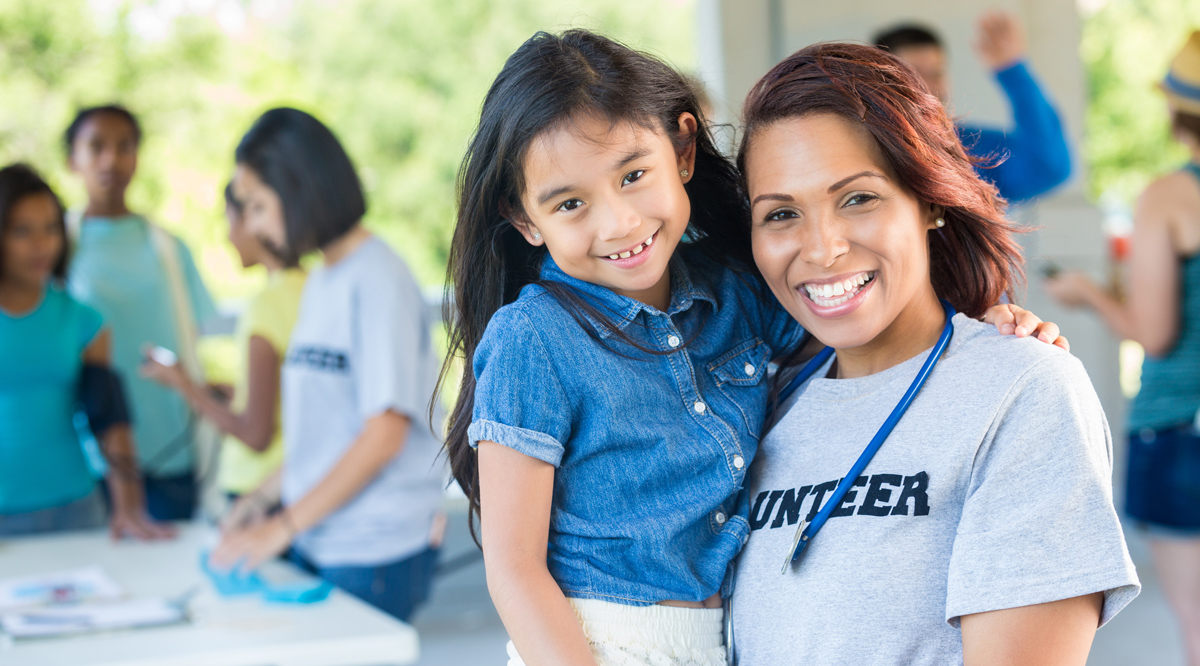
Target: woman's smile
838, 295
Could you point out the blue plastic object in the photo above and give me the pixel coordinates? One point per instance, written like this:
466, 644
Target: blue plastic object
235, 583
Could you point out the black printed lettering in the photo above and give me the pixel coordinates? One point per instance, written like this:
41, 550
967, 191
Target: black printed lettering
917, 488
818, 492
846, 507
789, 506
879, 499
760, 516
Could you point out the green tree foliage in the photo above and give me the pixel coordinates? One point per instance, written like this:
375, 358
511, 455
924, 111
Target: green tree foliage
1127, 46
399, 81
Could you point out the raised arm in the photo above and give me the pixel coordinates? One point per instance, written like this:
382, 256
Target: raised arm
515, 493
1058, 633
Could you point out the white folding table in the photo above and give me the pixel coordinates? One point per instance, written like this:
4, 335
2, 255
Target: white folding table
239, 631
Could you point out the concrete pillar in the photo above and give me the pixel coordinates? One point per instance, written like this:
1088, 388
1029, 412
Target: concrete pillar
739, 40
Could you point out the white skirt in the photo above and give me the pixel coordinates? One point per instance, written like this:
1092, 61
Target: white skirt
622, 635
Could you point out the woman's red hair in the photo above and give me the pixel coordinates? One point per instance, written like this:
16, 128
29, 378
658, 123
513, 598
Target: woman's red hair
974, 260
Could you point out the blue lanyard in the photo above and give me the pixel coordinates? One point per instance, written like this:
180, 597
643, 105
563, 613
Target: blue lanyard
806, 531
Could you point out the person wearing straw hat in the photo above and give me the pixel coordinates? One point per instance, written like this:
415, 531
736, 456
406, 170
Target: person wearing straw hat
1161, 311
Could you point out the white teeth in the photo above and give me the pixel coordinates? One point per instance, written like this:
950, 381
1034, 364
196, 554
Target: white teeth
836, 293
638, 249
626, 254
839, 289
613, 256
649, 241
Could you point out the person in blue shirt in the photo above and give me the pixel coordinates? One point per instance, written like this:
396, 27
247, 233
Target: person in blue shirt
119, 267
617, 339
46, 340
1024, 161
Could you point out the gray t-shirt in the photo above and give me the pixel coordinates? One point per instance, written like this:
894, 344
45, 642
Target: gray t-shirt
993, 492
362, 346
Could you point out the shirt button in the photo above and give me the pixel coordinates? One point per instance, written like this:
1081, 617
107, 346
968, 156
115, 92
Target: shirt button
673, 341
749, 370
739, 462
699, 407
720, 518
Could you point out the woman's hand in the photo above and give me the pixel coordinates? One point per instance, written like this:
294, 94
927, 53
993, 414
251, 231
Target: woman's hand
248, 548
171, 376
135, 524
1012, 319
1071, 288
249, 511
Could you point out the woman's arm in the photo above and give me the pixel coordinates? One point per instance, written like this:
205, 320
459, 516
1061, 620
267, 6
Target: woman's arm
1058, 633
255, 425
382, 437
1150, 313
515, 493
124, 479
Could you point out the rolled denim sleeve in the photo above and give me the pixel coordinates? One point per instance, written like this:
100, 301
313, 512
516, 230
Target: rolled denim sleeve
519, 401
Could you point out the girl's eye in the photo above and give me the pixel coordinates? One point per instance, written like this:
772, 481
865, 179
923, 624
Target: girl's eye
569, 205
780, 215
859, 199
632, 176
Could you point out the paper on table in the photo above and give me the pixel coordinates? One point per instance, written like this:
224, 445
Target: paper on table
59, 621
58, 587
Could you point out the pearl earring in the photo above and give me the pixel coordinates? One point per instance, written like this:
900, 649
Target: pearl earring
683, 172
940, 222
537, 235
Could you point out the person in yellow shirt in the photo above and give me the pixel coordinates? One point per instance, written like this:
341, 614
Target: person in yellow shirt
253, 448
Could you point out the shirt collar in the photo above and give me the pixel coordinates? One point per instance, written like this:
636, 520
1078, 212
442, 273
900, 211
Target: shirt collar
622, 309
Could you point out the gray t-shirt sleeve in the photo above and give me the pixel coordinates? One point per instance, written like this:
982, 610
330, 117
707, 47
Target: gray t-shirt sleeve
390, 343
1038, 524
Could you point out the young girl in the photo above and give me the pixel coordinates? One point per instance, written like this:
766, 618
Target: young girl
253, 449
982, 532
125, 267
361, 487
620, 340
48, 341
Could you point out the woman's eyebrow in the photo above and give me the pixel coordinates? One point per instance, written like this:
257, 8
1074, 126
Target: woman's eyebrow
849, 179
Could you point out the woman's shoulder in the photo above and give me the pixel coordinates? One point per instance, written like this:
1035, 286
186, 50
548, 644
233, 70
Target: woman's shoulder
62, 301
980, 350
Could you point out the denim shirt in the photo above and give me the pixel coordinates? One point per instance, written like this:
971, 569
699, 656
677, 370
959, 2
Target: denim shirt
651, 450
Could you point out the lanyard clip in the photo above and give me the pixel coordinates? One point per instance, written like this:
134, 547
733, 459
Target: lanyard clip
798, 544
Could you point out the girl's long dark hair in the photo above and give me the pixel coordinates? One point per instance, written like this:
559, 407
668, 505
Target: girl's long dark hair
549, 81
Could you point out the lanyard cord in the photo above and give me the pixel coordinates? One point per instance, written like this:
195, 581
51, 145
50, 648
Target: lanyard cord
805, 533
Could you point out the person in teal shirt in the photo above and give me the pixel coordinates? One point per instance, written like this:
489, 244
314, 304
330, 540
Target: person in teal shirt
118, 269
46, 339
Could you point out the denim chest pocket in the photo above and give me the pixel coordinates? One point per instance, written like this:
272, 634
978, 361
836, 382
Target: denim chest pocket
739, 374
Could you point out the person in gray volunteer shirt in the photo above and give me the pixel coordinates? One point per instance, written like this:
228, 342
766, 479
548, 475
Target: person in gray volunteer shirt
983, 531
361, 479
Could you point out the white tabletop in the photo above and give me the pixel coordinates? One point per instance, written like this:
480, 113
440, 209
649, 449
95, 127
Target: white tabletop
242, 631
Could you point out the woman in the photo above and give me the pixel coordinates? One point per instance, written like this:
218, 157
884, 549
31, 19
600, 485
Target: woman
361, 483
253, 449
49, 344
1162, 312
983, 531
144, 282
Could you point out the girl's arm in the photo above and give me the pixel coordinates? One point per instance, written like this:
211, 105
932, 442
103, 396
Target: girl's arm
124, 479
382, 437
1059, 633
515, 493
255, 426
1150, 313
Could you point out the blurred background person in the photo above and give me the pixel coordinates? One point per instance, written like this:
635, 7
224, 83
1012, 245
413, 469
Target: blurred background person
361, 479
1161, 311
50, 345
253, 447
136, 275
1024, 161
